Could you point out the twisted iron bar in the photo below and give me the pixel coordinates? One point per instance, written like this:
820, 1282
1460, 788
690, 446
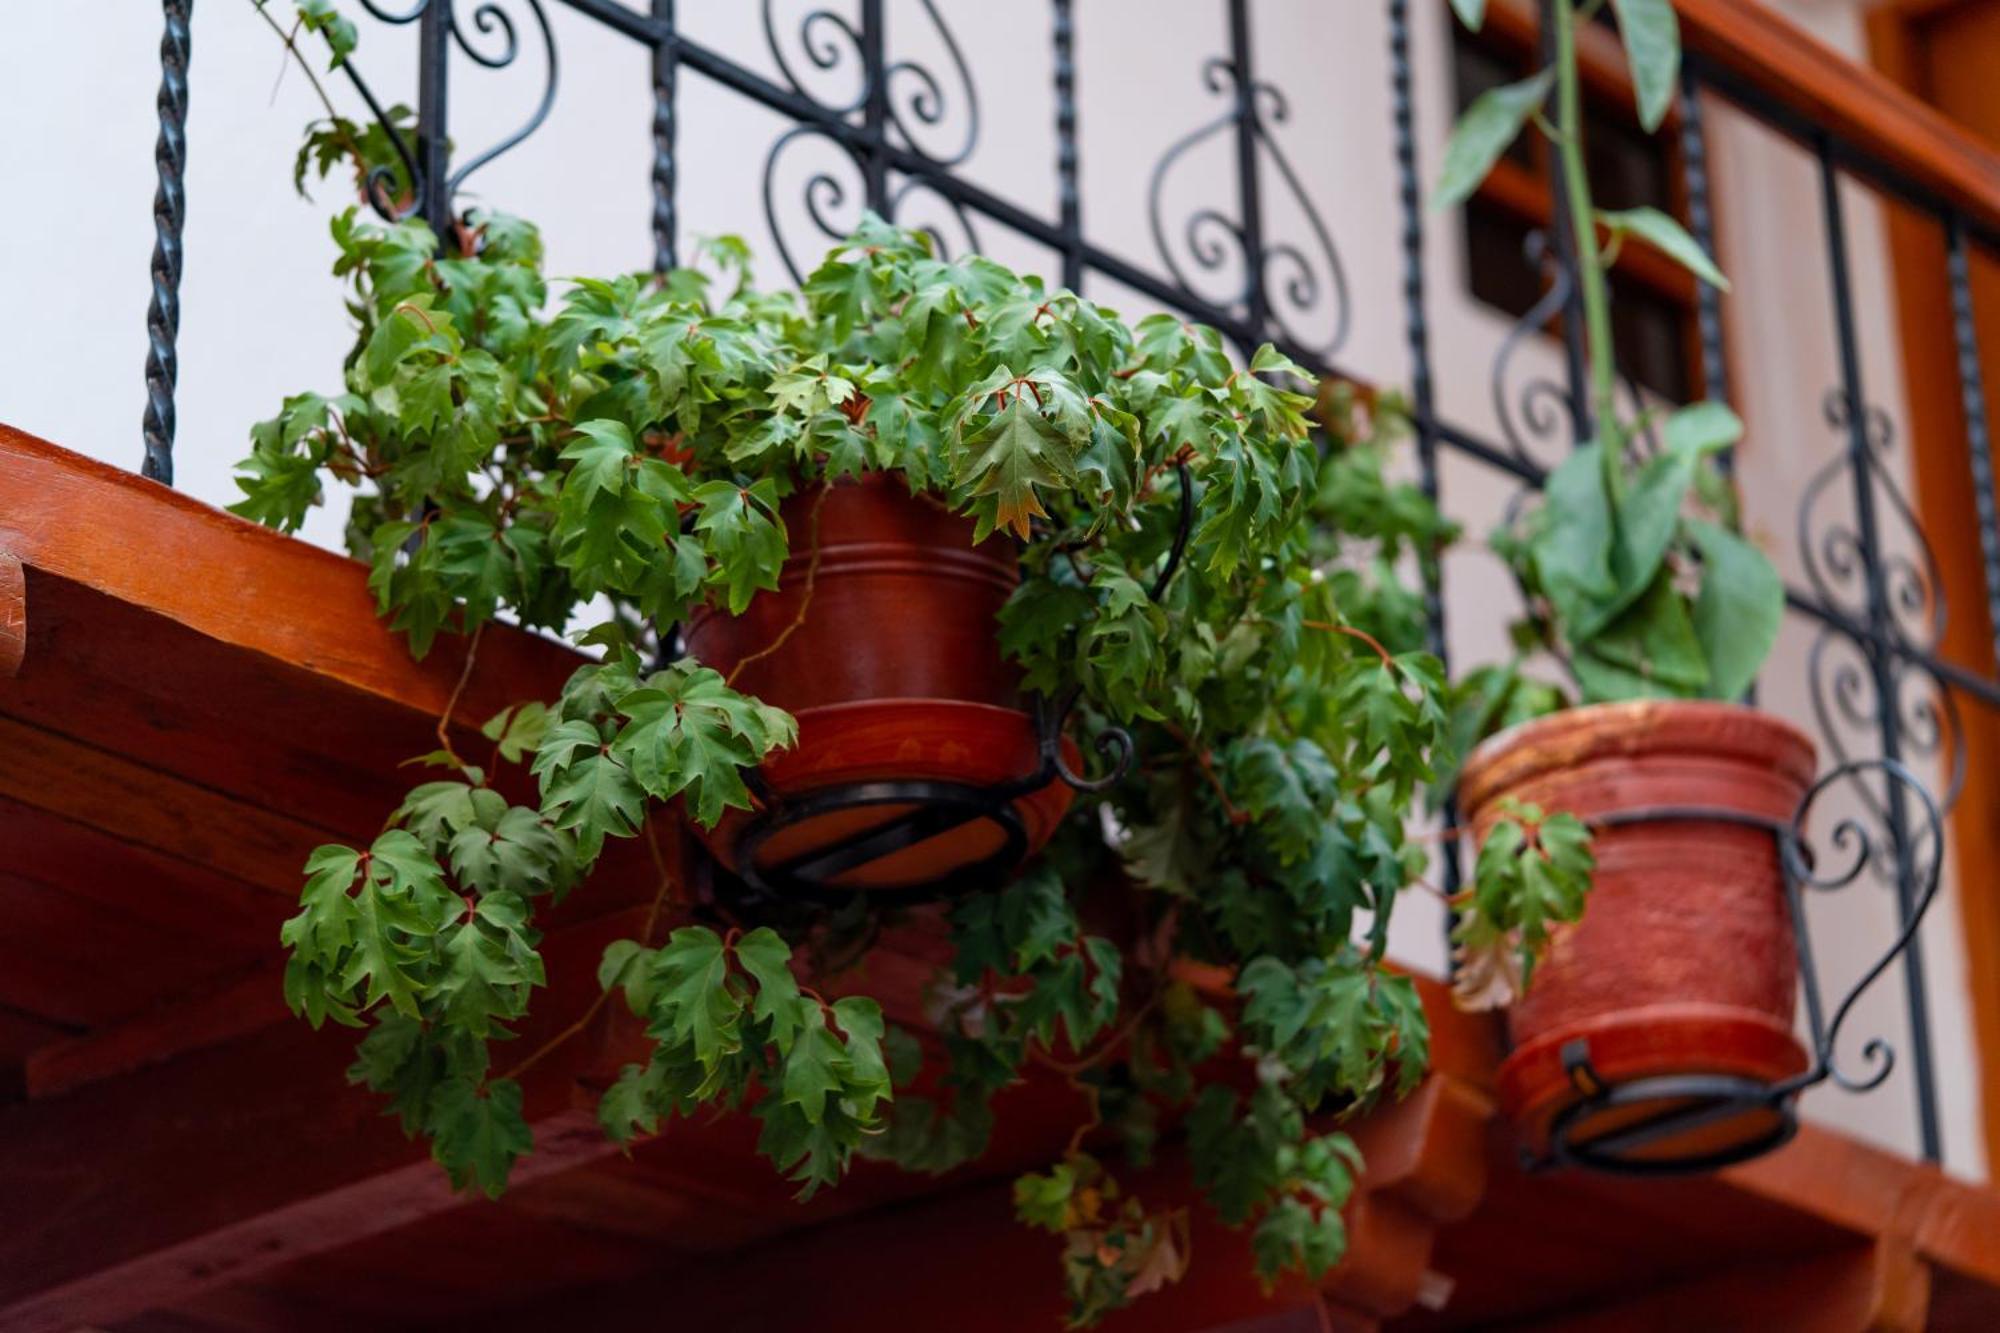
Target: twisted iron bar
665, 181
1069, 205
163, 312
1972, 404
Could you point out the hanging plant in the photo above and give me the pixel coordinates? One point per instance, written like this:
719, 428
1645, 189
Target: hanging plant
1638, 582
1182, 571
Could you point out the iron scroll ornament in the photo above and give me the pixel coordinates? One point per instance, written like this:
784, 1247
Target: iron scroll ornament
1209, 237
1693, 1100
897, 103
493, 44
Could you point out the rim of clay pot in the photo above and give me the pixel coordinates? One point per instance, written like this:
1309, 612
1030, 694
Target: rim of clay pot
1577, 735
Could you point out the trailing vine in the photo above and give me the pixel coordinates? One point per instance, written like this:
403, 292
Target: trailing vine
1199, 952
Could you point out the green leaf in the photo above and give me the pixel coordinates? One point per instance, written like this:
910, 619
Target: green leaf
1043, 1201
401, 332
692, 1002
1653, 49
518, 730
1472, 13
600, 458
812, 1065
1738, 610
477, 1134
1665, 235
688, 732
586, 790
767, 959
1002, 465
743, 535
1572, 543
1649, 650
866, 1076
1489, 125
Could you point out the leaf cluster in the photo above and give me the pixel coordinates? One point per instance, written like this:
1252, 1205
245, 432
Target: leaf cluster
633, 442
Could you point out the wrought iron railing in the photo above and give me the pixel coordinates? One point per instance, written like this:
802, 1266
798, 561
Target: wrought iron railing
893, 137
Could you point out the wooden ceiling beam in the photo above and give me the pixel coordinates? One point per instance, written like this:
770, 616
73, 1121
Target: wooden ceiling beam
1869, 1288
243, 585
137, 1192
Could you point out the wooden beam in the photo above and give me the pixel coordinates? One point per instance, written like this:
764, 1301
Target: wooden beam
136, 1192
212, 1018
1852, 102
13, 613
158, 810
962, 1252
1950, 1223
1878, 1288
244, 585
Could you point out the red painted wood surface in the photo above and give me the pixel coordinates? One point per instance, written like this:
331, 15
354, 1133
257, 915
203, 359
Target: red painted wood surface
1684, 960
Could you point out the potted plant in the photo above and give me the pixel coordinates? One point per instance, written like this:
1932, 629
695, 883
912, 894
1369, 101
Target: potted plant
919, 523
1684, 962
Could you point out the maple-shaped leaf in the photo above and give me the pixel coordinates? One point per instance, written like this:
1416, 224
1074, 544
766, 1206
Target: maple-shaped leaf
585, 789
767, 959
813, 1153
744, 536
478, 1133
690, 1000
519, 851
400, 906
865, 1076
812, 1067
324, 926
1001, 465
687, 731
516, 731
489, 966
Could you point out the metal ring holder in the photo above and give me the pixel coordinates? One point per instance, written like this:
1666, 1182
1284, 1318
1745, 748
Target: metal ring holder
1696, 1100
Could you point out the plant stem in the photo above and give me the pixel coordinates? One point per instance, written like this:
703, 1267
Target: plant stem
1590, 276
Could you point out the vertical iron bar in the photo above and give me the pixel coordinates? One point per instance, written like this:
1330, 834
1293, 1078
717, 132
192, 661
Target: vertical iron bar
1880, 658
1257, 306
1567, 251
163, 312
1068, 202
1701, 221
1416, 321
666, 74
1972, 396
433, 116
1708, 299
875, 106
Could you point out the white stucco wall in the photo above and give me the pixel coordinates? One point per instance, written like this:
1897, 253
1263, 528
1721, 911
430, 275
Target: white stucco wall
262, 317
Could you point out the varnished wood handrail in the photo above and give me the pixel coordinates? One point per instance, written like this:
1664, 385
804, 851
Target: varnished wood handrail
1855, 104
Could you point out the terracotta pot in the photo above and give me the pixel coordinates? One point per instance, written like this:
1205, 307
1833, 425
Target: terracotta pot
1684, 961
885, 651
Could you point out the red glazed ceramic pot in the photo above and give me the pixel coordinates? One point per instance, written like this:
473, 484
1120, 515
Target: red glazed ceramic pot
883, 646
1684, 961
